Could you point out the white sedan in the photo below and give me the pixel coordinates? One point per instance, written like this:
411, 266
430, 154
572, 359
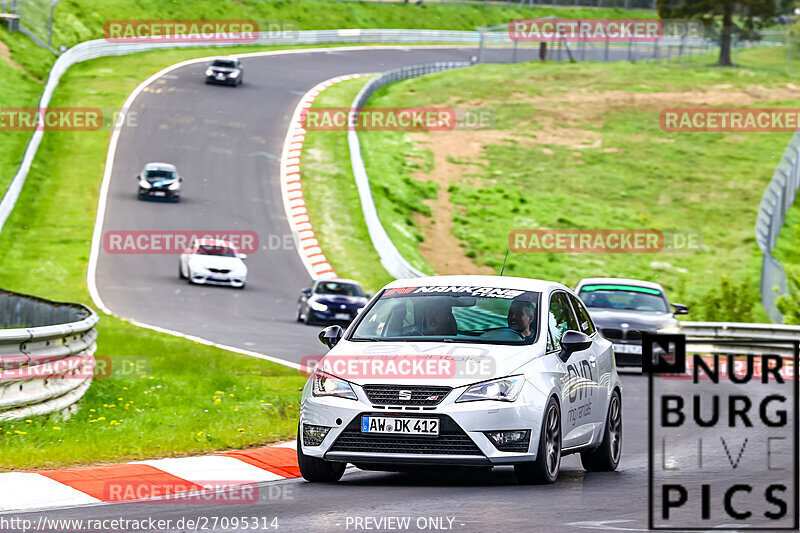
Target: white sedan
213, 262
463, 370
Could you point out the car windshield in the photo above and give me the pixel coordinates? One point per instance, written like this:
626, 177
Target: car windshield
624, 297
223, 251
159, 175
339, 289
222, 63
452, 314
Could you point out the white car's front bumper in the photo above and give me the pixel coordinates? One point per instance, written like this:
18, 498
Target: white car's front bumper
461, 440
231, 280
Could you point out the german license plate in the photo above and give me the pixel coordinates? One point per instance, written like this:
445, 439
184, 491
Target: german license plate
404, 426
341, 316
628, 348
159, 193
220, 76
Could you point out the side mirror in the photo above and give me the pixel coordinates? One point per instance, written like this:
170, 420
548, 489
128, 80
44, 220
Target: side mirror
573, 341
330, 336
368, 296
307, 292
180, 179
241, 256
680, 309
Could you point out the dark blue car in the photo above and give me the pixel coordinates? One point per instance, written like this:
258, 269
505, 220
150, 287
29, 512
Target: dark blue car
331, 301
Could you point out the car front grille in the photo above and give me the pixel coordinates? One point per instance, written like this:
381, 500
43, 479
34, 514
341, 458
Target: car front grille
219, 270
612, 333
633, 335
451, 440
405, 395
615, 334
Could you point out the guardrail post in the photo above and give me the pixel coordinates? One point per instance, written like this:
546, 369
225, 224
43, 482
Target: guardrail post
789, 47
480, 48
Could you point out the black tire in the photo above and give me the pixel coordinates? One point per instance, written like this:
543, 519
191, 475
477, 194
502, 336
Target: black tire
317, 470
180, 272
605, 458
299, 315
307, 318
548, 459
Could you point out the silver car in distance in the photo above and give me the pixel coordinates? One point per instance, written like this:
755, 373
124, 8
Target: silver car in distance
466, 371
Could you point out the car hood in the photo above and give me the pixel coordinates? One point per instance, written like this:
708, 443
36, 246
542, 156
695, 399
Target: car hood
227, 70
216, 261
331, 299
472, 362
612, 318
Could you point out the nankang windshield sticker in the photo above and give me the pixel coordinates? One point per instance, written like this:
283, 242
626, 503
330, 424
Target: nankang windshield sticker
455, 290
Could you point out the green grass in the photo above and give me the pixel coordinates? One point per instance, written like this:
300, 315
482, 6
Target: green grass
327, 174
670, 181
16, 90
81, 20
787, 248
46, 244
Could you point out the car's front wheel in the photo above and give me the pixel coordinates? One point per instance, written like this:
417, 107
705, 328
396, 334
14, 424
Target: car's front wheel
180, 272
606, 457
548, 458
317, 470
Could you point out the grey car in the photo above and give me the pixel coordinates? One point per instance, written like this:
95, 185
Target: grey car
227, 71
624, 308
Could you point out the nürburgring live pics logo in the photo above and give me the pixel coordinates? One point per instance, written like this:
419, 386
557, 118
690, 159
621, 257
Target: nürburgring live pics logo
722, 433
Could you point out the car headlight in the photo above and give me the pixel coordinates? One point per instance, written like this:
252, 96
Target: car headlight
359, 310
174, 186
316, 306
234, 74
503, 389
327, 385
209, 72
144, 184
669, 330
198, 268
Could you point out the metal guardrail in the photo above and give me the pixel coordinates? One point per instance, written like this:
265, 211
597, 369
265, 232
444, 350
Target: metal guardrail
391, 258
741, 333
44, 350
775, 203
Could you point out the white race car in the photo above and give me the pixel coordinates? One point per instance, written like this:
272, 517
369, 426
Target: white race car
463, 370
213, 262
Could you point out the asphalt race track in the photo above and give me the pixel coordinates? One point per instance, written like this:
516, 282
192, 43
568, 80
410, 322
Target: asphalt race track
226, 142
475, 501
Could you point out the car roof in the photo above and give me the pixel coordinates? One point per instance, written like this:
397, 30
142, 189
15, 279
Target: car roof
499, 282
160, 166
620, 281
207, 241
340, 280
224, 58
